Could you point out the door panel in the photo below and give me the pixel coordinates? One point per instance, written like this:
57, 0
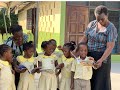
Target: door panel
76, 22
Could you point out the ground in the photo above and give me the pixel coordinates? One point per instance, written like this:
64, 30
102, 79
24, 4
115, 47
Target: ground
115, 76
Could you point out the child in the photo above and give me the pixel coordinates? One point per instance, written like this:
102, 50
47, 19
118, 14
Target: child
6, 76
26, 68
82, 69
66, 66
54, 43
48, 61
58, 54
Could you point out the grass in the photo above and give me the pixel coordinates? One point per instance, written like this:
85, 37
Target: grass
115, 58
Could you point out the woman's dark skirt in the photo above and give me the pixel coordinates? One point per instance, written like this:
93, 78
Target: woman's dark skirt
101, 77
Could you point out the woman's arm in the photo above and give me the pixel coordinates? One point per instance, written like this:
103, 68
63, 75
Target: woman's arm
110, 46
84, 39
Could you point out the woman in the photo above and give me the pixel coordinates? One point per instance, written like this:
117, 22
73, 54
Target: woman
17, 40
16, 43
100, 37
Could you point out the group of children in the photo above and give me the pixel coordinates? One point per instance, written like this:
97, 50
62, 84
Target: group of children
62, 71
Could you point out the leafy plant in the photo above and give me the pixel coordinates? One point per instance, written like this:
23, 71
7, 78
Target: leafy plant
14, 20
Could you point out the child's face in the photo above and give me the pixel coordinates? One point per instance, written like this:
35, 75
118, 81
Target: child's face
49, 49
9, 55
29, 52
53, 47
66, 52
83, 51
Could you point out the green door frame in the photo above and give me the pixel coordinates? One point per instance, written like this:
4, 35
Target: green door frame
62, 22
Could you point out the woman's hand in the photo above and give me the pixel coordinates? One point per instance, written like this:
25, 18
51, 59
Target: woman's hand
98, 64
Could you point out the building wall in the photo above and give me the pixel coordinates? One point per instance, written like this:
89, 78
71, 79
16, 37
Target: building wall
22, 16
50, 16
22, 19
49, 21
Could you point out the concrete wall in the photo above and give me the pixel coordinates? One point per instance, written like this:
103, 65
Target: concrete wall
50, 16
49, 20
22, 16
22, 19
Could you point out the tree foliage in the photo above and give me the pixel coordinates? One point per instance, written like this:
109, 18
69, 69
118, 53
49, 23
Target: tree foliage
14, 20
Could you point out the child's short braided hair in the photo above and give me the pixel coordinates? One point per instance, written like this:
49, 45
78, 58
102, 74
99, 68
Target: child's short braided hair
4, 48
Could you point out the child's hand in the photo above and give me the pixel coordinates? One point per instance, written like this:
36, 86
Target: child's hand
91, 58
60, 47
36, 69
91, 61
20, 70
58, 72
72, 86
23, 70
17, 69
60, 66
13, 72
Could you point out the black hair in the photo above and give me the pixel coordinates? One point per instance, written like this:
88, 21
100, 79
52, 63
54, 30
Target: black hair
71, 45
44, 44
4, 48
53, 41
15, 28
78, 46
101, 9
28, 45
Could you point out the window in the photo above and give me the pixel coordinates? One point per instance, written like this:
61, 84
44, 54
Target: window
31, 19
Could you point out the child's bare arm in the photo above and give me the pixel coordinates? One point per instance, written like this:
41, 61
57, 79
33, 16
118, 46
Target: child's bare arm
56, 63
58, 72
15, 62
72, 80
38, 64
37, 67
13, 72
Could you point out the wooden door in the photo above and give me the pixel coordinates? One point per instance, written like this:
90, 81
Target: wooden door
76, 22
